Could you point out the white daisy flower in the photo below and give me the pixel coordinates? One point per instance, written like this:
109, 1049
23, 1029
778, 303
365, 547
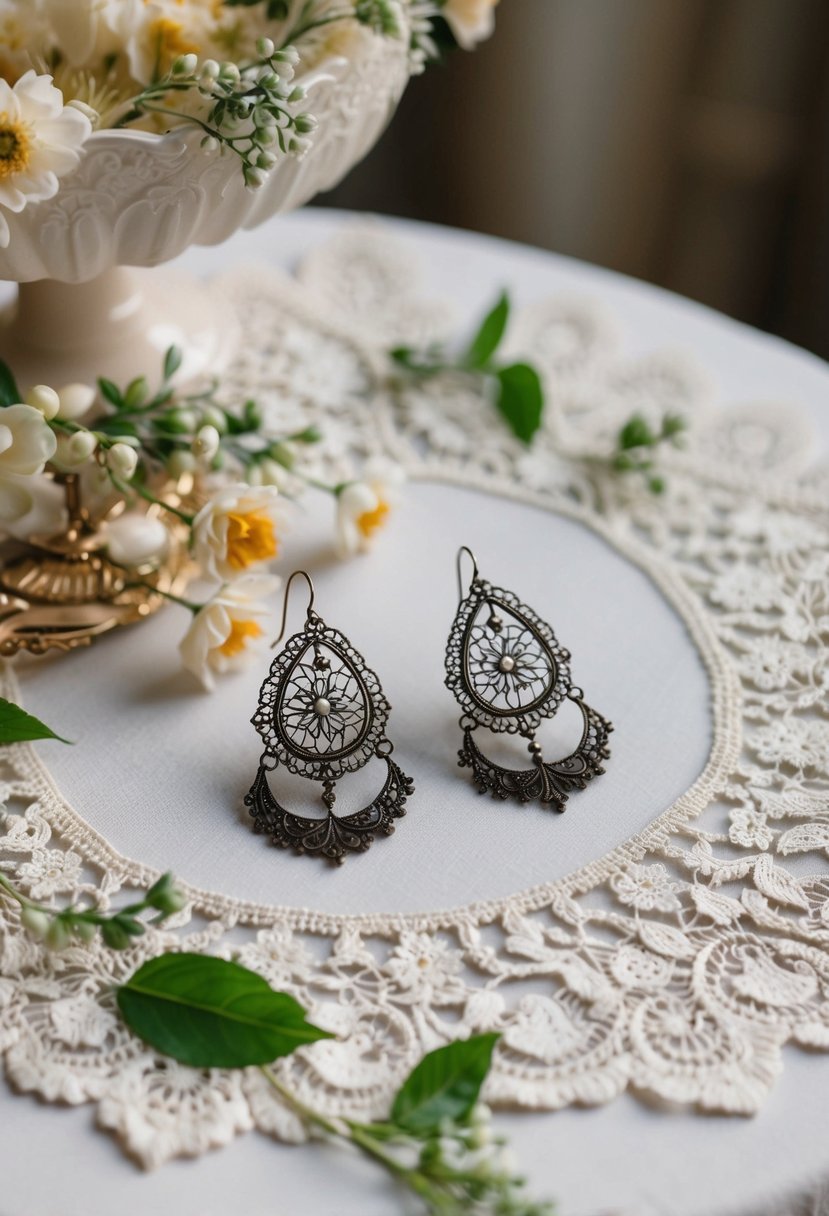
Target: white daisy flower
40, 142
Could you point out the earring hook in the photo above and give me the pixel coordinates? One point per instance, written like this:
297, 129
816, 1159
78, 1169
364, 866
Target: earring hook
296, 574
465, 549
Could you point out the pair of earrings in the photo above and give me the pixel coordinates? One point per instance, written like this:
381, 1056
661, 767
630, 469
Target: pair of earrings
322, 714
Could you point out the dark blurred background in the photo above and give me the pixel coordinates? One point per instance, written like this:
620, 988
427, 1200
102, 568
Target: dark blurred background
681, 141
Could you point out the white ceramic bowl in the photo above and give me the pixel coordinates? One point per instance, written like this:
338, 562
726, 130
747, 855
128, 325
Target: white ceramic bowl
139, 200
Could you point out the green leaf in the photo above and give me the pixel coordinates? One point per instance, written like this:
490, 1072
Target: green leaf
172, 362
137, 393
111, 393
636, 433
9, 392
490, 335
520, 399
209, 1013
444, 1085
16, 726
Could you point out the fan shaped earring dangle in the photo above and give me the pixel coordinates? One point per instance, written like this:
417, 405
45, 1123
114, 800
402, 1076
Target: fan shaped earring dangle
322, 714
508, 672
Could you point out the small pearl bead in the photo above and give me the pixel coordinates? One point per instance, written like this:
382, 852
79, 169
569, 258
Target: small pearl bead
507, 663
322, 708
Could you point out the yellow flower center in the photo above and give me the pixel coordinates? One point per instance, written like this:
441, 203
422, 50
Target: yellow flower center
370, 521
15, 146
170, 40
241, 632
250, 538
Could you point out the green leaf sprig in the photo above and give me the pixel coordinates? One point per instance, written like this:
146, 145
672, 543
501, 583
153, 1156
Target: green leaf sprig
62, 928
515, 387
637, 444
211, 1013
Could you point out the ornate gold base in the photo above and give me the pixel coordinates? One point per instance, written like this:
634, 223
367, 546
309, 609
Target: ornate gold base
53, 600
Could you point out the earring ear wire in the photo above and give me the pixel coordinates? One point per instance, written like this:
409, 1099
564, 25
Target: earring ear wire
310, 609
465, 549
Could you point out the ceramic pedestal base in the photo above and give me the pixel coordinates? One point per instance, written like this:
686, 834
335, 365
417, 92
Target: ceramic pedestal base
118, 326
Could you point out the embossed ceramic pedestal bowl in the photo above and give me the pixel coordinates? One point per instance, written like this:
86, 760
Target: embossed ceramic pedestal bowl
88, 305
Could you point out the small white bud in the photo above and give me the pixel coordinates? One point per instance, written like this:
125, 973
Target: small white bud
255, 178
230, 72
209, 144
265, 47
213, 416
181, 463
254, 475
58, 936
44, 399
136, 540
272, 473
75, 401
35, 922
206, 444
185, 65
209, 71
123, 460
78, 449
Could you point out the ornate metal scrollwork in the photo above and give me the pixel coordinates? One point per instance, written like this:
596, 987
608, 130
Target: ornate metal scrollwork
322, 713
508, 672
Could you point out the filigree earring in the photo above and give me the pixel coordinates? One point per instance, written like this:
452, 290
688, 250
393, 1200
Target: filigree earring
507, 673
322, 714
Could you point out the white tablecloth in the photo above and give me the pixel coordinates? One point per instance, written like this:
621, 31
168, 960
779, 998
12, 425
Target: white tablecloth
622, 1157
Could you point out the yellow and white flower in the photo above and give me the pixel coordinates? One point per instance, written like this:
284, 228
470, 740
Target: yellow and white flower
237, 529
40, 141
471, 21
363, 507
218, 639
26, 441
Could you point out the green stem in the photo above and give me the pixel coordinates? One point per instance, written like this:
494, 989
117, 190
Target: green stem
168, 595
129, 488
360, 1136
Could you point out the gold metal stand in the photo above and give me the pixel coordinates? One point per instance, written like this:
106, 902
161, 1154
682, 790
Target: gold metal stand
61, 592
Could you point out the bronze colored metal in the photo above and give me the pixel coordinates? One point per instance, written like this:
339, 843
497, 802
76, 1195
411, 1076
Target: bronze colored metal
322, 714
508, 672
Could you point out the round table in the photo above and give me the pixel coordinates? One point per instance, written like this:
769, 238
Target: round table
626, 1157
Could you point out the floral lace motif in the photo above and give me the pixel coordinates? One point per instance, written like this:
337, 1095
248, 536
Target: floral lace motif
681, 963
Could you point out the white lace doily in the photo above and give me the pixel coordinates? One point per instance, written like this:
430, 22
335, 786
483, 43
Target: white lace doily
680, 963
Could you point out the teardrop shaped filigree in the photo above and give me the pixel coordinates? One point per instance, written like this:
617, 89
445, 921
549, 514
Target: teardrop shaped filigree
321, 710
503, 662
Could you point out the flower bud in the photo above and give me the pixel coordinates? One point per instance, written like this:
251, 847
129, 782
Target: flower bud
265, 47
215, 417
254, 475
206, 444
209, 71
76, 449
44, 399
136, 540
181, 463
209, 144
288, 54
123, 460
35, 922
75, 401
185, 65
272, 473
58, 935
84, 931
229, 72
254, 178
